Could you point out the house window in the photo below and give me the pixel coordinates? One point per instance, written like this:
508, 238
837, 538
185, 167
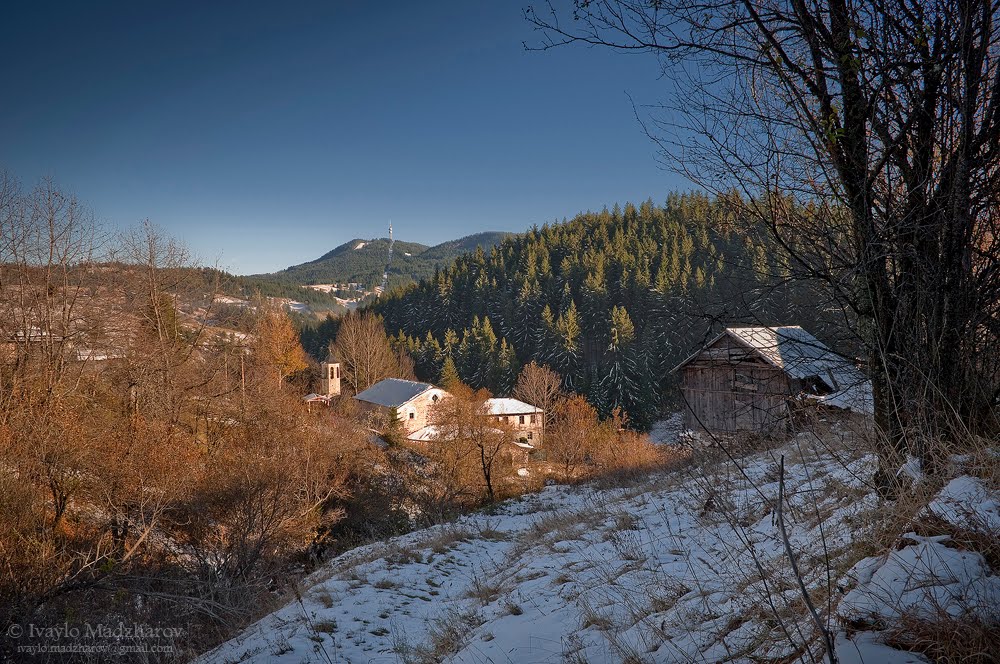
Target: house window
336, 371
434, 398
412, 415
530, 435
531, 419
520, 419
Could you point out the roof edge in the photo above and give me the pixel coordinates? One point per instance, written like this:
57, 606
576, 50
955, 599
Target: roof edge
403, 403
729, 331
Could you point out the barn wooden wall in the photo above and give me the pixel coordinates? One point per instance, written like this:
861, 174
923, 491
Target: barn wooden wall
728, 387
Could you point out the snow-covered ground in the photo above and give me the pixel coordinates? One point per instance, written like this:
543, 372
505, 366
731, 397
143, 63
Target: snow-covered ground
687, 565
925, 576
668, 430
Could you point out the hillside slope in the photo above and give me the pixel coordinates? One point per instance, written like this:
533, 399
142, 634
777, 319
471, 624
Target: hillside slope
612, 301
687, 566
362, 261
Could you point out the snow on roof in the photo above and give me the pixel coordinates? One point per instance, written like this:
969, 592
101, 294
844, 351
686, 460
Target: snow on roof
425, 435
794, 350
433, 433
393, 392
801, 355
509, 407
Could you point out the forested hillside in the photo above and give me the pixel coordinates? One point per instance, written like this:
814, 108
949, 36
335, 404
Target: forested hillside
219, 282
611, 300
362, 261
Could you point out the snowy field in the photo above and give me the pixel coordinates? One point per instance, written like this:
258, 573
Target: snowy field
687, 565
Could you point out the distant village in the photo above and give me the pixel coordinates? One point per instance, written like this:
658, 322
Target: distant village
745, 379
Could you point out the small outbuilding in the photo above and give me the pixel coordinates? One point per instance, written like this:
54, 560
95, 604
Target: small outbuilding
747, 378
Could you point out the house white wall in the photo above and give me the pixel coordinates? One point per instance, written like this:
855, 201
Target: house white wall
415, 414
524, 425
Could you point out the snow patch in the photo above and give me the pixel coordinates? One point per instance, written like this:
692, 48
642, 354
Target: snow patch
668, 430
968, 503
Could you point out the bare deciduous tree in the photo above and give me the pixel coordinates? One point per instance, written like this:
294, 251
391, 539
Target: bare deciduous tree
364, 351
468, 433
540, 386
866, 135
571, 439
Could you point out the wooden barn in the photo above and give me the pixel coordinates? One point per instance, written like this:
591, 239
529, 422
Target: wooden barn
746, 379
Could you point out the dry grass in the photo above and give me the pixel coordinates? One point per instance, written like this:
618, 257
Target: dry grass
444, 539
944, 638
484, 591
977, 536
324, 597
325, 626
558, 526
592, 617
446, 636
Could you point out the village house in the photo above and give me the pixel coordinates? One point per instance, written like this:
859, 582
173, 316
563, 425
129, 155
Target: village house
413, 402
523, 418
410, 400
748, 378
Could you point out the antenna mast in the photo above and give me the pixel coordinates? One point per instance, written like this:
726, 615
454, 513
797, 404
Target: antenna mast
385, 273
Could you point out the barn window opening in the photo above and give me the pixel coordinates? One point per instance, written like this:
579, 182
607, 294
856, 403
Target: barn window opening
744, 382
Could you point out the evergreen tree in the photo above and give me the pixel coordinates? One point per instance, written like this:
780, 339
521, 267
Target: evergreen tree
560, 295
449, 374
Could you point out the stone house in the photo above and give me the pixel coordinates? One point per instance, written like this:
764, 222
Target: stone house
412, 401
523, 418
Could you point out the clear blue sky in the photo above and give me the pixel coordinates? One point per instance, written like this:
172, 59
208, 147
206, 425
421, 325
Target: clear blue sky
264, 134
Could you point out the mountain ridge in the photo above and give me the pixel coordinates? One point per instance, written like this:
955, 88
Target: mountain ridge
362, 261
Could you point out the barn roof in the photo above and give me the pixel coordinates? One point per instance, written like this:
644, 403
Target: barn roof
794, 351
393, 392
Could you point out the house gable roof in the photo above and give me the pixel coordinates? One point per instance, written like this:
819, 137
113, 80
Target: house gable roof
393, 392
510, 407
